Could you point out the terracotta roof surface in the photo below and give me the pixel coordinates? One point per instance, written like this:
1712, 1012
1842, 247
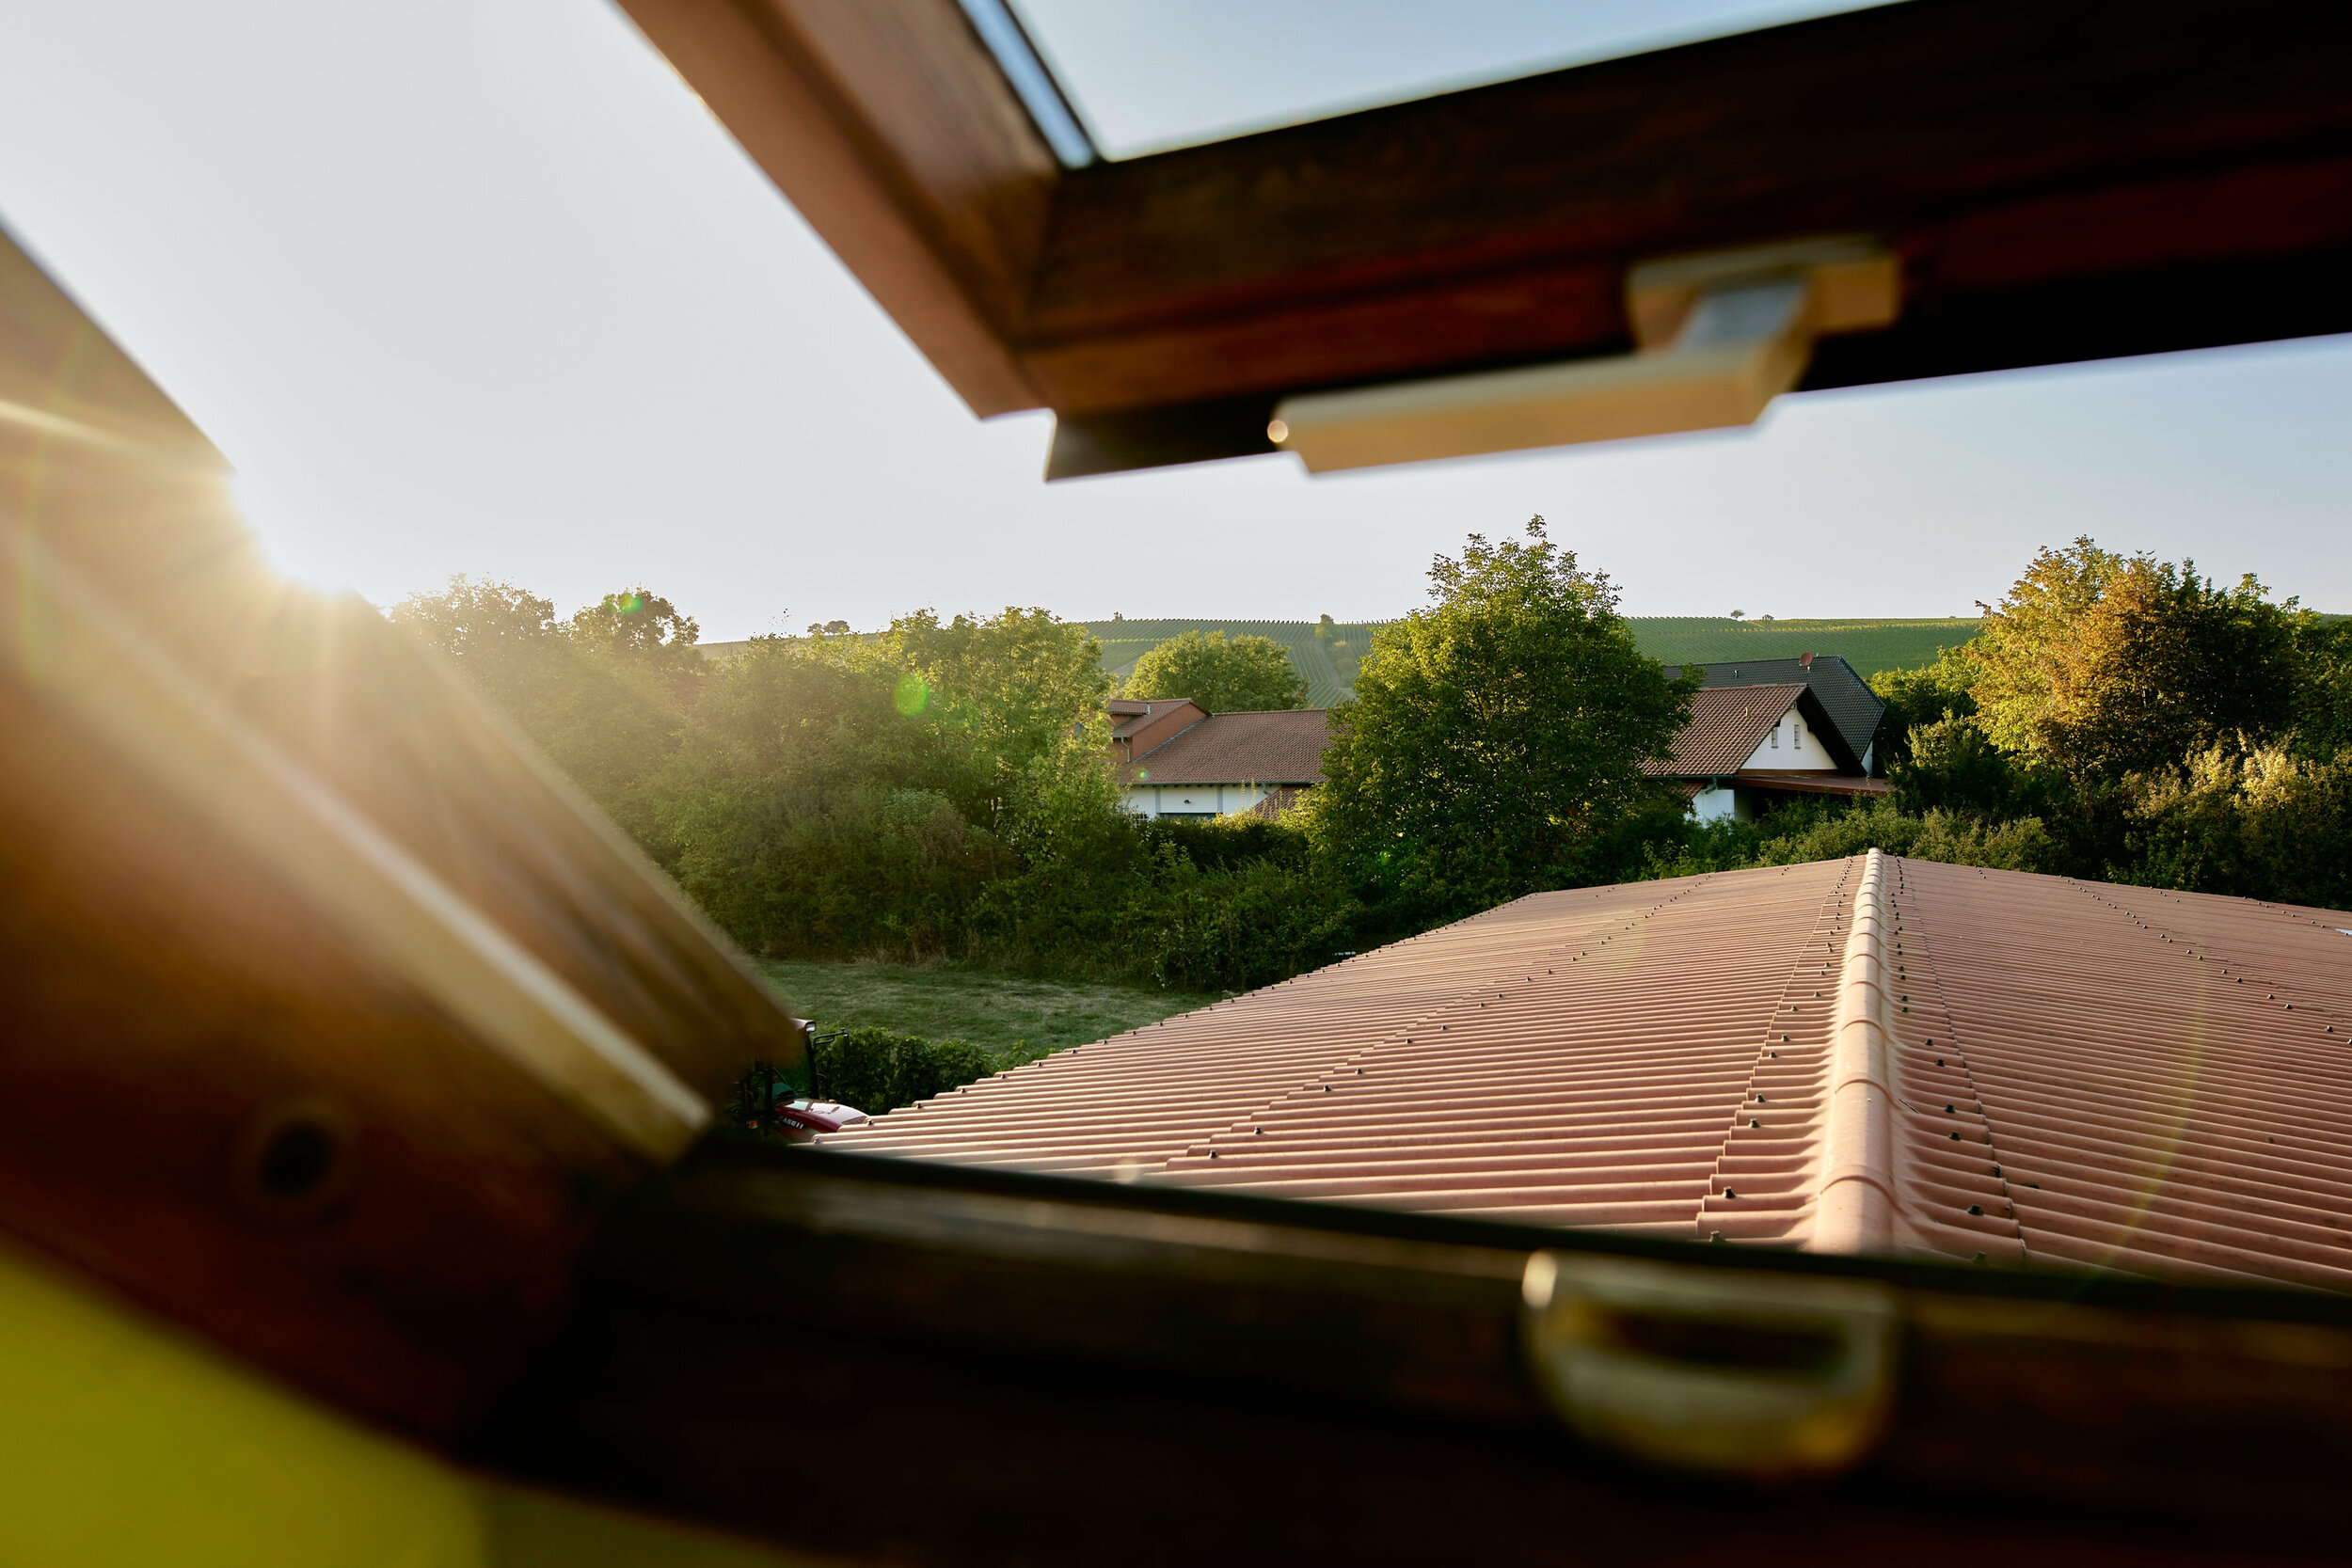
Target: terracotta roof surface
1848, 701
1285, 746
1129, 715
1727, 726
1867, 1054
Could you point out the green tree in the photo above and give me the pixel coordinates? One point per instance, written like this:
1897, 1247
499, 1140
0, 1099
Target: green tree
604, 694
507, 640
1495, 740
1013, 684
2322, 693
643, 631
808, 811
1952, 765
1245, 675
1916, 699
2105, 664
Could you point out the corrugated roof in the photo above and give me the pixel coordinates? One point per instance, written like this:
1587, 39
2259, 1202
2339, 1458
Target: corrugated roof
1726, 728
1282, 746
1848, 701
2141, 1079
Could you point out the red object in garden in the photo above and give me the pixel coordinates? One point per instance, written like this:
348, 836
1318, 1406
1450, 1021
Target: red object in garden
820, 1115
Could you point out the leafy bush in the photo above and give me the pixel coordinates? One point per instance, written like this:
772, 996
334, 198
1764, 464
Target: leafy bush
1951, 765
2262, 824
1804, 834
1243, 925
876, 1070
1916, 699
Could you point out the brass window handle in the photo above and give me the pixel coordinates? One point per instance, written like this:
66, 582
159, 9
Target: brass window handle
1714, 1370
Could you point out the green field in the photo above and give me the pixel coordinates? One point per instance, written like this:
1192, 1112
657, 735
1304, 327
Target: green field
1017, 1019
1328, 662
1869, 646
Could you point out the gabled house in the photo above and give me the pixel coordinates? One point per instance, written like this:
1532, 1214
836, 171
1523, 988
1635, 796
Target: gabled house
1137, 725
1747, 746
1178, 760
1852, 708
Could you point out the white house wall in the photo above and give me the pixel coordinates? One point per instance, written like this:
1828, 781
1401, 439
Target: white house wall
1214, 799
1719, 804
1791, 747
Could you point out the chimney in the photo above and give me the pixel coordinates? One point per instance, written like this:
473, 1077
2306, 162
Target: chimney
1805, 661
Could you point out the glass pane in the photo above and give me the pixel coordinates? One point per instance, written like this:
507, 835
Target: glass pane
1147, 75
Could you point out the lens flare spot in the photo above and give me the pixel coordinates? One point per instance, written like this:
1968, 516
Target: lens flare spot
913, 696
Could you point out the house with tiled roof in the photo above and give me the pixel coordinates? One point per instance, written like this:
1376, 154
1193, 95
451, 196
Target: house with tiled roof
1179, 761
1846, 698
1869, 1055
1752, 742
1747, 748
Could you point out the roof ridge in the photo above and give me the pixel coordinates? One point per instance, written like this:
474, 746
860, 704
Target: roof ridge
1768, 1155
1856, 1208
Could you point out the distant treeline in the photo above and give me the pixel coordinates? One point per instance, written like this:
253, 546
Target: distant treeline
942, 787
1327, 652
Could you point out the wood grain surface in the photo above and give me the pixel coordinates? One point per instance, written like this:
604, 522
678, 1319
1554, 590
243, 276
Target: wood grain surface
2044, 171
334, 1016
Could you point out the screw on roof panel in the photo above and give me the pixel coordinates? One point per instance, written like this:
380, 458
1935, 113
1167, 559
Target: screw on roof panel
1975, 1209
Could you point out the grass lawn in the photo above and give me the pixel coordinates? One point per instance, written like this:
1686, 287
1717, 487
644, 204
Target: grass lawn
1016, 1018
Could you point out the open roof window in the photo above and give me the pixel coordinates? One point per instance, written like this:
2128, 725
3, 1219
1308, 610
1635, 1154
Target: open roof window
1148, 75
1611, 238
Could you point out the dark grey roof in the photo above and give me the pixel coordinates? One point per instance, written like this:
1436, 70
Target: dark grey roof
1851, 705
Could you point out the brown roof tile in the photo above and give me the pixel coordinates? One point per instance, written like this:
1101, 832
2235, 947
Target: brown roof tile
1728, 724
1131, 716
1285, 746
2139, 1079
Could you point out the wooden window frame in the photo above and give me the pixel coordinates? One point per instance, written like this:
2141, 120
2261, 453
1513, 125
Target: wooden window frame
2061, 181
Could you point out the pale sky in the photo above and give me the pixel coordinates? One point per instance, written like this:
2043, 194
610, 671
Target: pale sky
1147, 74
477, 286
